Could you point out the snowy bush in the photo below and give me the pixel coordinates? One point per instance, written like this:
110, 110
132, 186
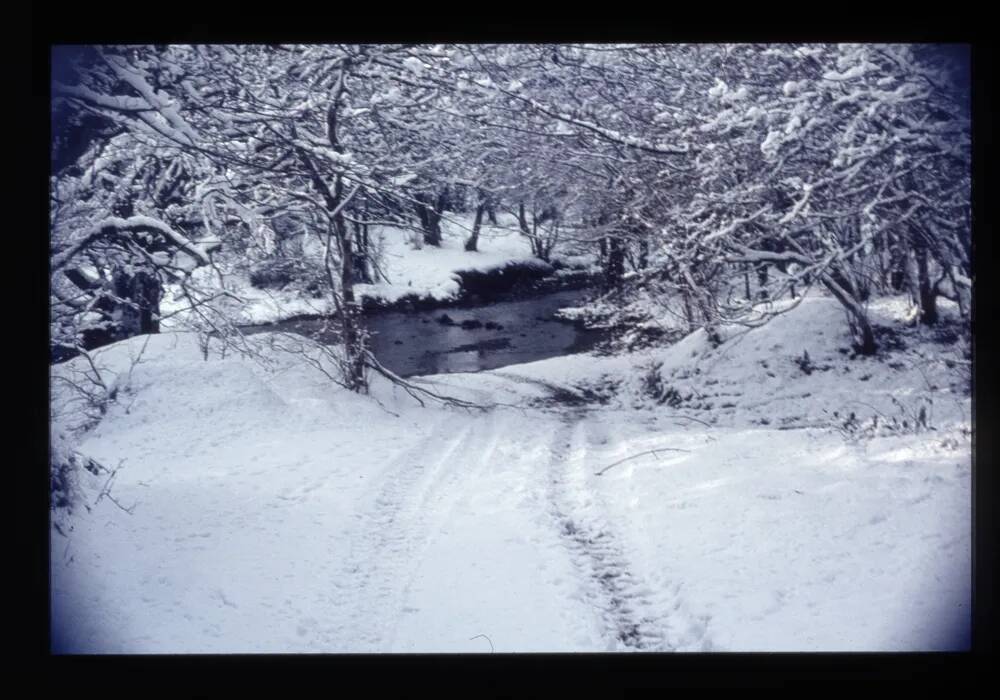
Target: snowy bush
288, 273
653, 386
64, 487
805, 363
908, 419
601, 390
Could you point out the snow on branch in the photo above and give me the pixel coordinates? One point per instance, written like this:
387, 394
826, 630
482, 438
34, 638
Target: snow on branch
118, 103
134, 224
167, 109
736, 223
747, 255
609, 134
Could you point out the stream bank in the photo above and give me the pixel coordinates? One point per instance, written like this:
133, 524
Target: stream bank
515, 280
470, 338
502, 316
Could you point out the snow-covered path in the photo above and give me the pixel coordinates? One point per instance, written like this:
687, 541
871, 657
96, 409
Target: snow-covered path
451, 533
496, 527
523, 553
301, 535
273, 515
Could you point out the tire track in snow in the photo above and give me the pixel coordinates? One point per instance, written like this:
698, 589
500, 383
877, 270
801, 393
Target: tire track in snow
442, 498
626, 605
684, 629
391, 535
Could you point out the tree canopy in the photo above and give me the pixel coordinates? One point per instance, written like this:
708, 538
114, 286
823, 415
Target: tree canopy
844, 165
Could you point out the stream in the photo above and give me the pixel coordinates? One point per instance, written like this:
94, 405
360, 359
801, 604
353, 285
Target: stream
467, 338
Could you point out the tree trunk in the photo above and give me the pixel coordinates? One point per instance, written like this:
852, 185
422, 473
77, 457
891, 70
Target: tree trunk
360, 257
473, 242
688, 313
860, 325
530, 230
897, 267
352, 333
881, 250
549, 242
430, 218
350, 326
762, 278
614, 268
138, 313
927, 297
522, 219
149, 291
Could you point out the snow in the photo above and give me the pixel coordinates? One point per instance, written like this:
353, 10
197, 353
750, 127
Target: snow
415, 65
850, 74
263, 306
790, 88
769, 147
430, 272
274, 512
718, 89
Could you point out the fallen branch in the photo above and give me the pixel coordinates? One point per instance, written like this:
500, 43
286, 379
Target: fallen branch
417, 391
106, 489
696, 420
647, 452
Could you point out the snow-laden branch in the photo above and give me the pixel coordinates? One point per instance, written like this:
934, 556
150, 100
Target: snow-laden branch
117, 103
736, 223
134, 224
167, 109
748, 255
610, 134
604, 132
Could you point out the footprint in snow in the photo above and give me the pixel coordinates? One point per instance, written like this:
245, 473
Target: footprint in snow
221, 596
305, 626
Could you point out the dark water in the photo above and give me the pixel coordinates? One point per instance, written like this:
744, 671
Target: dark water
416, 342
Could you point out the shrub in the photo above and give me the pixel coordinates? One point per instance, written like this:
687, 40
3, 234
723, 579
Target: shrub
805, 363
288, 273
654, 387
908, 420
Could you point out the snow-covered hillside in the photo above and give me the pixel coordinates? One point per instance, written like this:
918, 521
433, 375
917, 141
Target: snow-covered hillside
430, 271
739, 506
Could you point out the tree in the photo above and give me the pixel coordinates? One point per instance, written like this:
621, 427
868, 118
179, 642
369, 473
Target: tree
778, 155
695, 165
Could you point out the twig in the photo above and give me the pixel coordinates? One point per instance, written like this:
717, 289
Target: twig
417, 391
647, 452
696, 420
106, 489
492, 650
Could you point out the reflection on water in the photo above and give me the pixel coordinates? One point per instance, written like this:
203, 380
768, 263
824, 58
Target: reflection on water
415, 343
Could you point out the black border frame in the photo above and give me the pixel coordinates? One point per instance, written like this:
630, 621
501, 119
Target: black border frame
476, 675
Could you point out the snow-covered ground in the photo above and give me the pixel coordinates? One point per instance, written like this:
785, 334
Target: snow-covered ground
430, 271
427, 272
274, 512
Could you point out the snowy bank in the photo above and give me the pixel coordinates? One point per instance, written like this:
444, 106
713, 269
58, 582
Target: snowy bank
427, 274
